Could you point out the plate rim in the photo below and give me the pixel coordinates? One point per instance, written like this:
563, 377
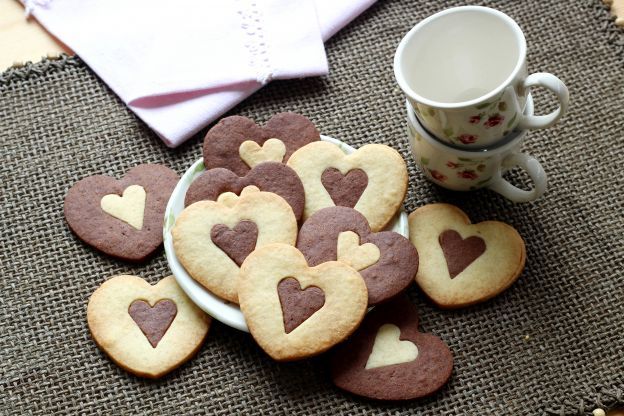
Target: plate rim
202, 297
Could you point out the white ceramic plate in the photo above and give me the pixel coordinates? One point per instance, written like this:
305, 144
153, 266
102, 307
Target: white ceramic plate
223, 311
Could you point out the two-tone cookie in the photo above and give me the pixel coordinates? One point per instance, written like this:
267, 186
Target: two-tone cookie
372, 180
238, 144
267, 176
122, 218
387, 358
147, 330
294, 311
211, 239
387, 261
461, 263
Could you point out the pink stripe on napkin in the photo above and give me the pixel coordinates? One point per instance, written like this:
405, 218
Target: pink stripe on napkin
180, 65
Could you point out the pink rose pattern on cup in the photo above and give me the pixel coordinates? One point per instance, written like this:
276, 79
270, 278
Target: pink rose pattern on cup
490, 115
464, 168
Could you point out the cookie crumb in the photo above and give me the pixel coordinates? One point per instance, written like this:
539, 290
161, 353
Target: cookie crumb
599, 412
526, 337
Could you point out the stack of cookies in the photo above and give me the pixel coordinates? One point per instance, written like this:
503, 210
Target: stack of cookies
292, 229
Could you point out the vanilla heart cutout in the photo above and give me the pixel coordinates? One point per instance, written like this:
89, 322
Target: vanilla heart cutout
205, 259
320, 166
88, 219
355, 255
388, 358
129, 208
392, 272
146, 341
222, 142
388, 349
273, 150
462, 264
345, 301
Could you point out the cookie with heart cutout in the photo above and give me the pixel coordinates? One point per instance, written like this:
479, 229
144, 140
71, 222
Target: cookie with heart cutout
372, 180
212, 238
294, 311
237, 143
387, 261
462, 264
147, 330
387, 358
122, 218
268, 177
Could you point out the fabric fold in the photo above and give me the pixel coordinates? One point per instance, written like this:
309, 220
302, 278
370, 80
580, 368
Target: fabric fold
180, 65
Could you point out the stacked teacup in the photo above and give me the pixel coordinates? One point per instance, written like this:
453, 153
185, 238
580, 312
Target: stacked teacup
469, 106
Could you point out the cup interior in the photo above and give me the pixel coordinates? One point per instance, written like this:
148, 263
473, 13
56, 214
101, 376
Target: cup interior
459, 55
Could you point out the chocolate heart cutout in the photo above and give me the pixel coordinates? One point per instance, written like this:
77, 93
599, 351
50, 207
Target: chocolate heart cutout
111, 235
222, 142
414, 378
262, 304
237, 242
454, 272
154, 321
344, 190
458, 252
391, 274
297, 304
268, 177
144, 340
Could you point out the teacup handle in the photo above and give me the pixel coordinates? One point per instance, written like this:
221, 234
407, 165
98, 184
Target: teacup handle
554, 84
532, 168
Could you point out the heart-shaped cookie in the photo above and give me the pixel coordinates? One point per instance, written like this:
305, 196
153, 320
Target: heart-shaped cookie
123, 218
225, 147
147, 330
388, 359
373, 180
211, 238
268, 177
463, 263
329, 301
391, 273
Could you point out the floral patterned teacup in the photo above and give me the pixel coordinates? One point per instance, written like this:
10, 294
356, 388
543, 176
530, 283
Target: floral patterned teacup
464, 71
467, 170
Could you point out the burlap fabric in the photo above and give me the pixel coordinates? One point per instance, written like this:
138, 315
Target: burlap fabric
552, 344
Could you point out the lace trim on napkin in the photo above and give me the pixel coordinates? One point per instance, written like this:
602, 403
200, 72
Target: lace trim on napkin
255, 43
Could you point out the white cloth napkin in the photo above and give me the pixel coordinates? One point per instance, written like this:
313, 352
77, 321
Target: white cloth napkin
180, 65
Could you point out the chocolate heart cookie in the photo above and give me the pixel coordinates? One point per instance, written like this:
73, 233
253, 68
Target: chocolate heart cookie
462, 263
268, 177
237, 143
122, 218
388, 359
372, 180
294, 311
340, 233
147, 330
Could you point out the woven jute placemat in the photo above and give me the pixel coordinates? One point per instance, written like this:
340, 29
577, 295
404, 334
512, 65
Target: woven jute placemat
551, 344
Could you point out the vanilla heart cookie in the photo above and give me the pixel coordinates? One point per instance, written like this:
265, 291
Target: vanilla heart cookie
388, 359
294, 311
147, 330
268, 177
122, 218
462, 263
373, 180
238, 143
386, 260
212, 238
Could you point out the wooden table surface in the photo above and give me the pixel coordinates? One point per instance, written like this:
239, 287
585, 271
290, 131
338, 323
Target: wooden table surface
23, 40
